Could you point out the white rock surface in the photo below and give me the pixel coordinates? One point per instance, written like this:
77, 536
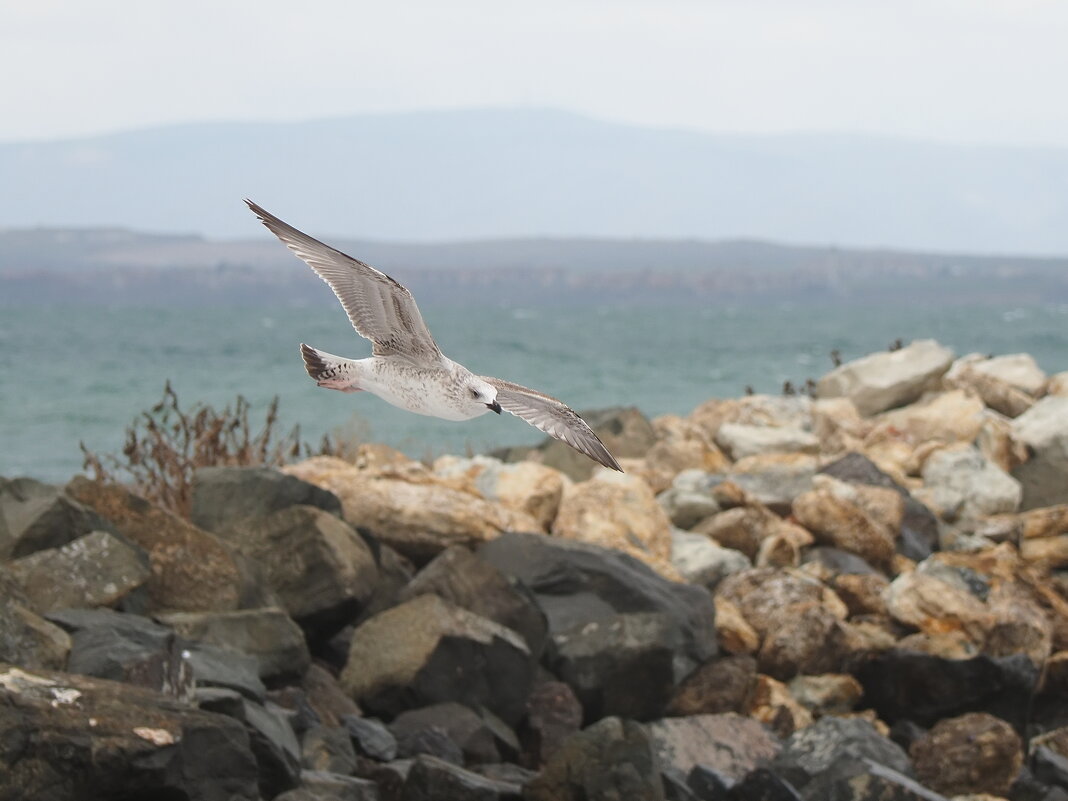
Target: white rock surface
1044, 430
961, 482
740, 440
882, 381
1016, 369
699, 560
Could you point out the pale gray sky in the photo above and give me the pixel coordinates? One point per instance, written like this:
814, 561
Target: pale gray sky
957, 70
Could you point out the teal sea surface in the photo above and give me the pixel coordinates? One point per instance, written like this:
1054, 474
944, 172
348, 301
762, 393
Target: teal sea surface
71, 374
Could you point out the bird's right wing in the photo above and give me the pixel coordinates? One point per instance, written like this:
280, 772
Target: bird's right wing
379, 308
553, 417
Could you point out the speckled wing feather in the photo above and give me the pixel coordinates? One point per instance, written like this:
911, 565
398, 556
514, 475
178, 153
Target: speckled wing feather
553, 417
379, 308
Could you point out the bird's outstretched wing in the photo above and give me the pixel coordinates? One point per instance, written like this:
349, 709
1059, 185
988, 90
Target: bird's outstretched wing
379, 308
553, 417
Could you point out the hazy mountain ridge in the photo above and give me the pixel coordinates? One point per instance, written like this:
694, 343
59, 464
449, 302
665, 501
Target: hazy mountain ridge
521, 173
85, 265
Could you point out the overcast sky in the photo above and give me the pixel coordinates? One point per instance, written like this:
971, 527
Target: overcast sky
957, 70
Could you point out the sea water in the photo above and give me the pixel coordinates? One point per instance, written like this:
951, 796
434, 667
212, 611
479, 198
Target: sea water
71, 374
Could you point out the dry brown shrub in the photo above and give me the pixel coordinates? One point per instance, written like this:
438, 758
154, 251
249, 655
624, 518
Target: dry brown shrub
165, 445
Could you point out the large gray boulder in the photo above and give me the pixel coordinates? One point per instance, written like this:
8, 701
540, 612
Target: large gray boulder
224, 495
427, 651
1044, 430
321, 570
962, 483
881, 381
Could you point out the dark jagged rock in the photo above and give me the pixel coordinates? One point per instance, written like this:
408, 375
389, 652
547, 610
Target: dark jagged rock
460, 577
836, 561
719, 685
553, 715
220, 667
972, 753
763, 785
855, 778
371, 738
321, 570
505, 772
225, 495
324, 695
269, 635
389, 777
463, 726
613, 758
99, 569
26, 638
273, 743
676, 788
909, 685
326, 748
433, 779
622, 666
431, 741
729, 744
35, 516
1050, 767
395, 571
709, 784
191, 569
919, 527
612, 620
811, 751
65, 737
427, 650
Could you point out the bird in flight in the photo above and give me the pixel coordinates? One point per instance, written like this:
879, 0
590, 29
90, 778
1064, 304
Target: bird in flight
406, 368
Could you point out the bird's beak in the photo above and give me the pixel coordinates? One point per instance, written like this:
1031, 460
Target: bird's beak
494, 407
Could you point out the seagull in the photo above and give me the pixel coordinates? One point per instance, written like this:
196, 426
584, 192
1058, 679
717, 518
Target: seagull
407, 368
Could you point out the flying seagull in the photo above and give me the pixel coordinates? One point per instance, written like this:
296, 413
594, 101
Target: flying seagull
406, 368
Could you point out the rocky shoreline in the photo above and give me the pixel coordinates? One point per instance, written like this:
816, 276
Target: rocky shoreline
859, 596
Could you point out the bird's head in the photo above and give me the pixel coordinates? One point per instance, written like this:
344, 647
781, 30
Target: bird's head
482, 393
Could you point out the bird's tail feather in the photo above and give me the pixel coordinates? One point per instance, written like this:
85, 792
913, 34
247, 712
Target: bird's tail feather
328, 370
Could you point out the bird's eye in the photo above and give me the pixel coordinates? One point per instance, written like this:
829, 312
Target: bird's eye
474, 394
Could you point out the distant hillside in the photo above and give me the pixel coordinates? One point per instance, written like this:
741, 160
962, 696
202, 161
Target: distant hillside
530, 173
119, 266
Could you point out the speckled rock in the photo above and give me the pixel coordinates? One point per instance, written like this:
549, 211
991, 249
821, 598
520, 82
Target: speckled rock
718, 686
772, 703
936, 607
527, 487
836, 521
730, 744
1044, 430
701, 560
960, 482
972, 753
681, 445
191, 569
98, 569
739, 440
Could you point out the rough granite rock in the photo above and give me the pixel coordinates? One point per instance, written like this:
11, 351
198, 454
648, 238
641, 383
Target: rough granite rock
739, 440
701, 560
935, 606
882, 381
61, 734
35, 516
747, 528
433, 779
99, 569
553, 715
526, 487
427, 651
224, 495
460, 577
191, 569
836, 521
720, 685
858, 778
961, 483
811, 751
409, 508
615, 510
971, 753
1044, 430
730, 744
776, 411
612, 759
321, 570
26, 639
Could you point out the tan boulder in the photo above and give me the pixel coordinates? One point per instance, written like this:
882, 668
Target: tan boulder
827, 694
681, 445
1058, 384
191, 570
745, 528
793, 411
762, 595
410, 509
618, 511
1049, 521
527, 487
1049, 551
773, 705
948, 417
1020, 624
862, 593
733, 632
936, 607
844, 524
740, 440
838, 425
1018, 370
970, 374
996, 443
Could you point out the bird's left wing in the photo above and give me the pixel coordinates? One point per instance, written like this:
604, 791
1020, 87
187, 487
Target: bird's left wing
553, 417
